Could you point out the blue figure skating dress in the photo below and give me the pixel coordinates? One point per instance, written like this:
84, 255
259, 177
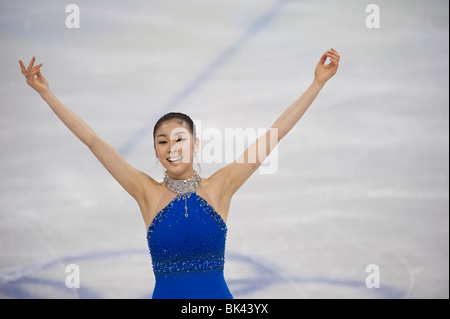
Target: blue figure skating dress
187, 245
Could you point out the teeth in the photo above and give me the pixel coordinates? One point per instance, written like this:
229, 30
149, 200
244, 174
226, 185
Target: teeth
174, 159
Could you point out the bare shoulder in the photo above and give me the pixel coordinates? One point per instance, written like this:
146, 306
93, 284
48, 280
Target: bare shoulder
215, 186
223, 180
152, 194
216, 182
150, 182
149, 185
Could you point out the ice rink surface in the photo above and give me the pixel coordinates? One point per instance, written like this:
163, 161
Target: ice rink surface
362, 179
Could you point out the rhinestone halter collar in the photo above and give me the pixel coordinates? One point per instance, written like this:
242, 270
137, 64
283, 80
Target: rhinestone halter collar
182, 186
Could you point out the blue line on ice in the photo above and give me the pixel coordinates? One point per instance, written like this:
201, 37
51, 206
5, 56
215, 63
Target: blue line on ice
205, 74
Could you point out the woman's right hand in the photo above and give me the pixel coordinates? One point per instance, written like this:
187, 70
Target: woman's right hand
34, 76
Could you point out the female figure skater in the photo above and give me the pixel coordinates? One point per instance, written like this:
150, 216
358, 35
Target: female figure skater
185, 214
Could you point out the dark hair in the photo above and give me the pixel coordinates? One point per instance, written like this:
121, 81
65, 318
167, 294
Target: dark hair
181, 117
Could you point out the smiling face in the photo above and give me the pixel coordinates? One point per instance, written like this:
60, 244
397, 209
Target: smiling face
174, 147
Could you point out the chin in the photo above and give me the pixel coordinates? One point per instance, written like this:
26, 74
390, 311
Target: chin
178, 169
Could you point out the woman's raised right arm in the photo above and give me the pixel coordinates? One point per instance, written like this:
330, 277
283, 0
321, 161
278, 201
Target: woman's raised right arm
135, 182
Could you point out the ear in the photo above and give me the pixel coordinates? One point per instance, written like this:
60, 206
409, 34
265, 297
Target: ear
196, 145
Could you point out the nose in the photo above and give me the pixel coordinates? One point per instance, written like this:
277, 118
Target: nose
174, 147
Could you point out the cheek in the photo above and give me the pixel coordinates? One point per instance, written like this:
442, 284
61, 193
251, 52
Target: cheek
159, 149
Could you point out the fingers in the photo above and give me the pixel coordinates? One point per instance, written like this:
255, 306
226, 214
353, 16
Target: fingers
34, 71
22, 67
333, 55
323, 59
31, 64
31, 70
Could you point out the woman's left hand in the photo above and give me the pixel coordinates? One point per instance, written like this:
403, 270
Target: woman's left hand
323, 71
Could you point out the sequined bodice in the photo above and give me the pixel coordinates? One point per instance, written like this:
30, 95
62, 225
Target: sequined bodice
187, 245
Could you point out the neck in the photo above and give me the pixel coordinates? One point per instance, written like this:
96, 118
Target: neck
189, 184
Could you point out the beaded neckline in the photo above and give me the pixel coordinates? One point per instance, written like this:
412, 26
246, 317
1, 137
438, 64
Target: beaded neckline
209, 209
182, 186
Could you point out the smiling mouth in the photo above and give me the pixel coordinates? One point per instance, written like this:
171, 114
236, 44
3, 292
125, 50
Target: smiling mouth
175, 159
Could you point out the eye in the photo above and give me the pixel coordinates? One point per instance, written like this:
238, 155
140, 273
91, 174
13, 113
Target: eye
162, 142
181, 139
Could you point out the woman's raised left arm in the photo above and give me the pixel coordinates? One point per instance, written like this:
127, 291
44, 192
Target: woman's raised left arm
233, 176
294, 113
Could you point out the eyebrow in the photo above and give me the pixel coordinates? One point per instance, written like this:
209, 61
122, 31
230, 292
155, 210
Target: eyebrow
177, 133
